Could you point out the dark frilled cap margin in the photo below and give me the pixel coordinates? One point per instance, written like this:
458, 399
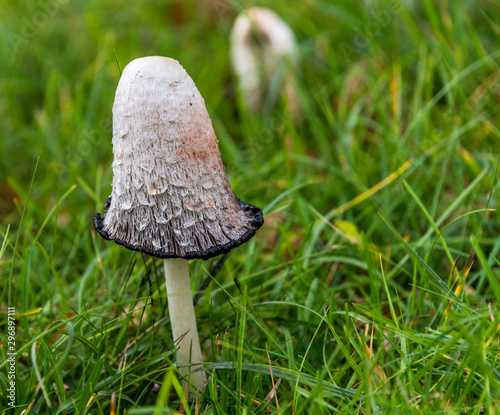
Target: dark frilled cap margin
258, 221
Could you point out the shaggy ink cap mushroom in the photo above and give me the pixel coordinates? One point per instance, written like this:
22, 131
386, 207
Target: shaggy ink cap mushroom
171, 197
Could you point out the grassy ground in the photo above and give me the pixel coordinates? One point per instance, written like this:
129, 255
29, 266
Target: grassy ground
373, 286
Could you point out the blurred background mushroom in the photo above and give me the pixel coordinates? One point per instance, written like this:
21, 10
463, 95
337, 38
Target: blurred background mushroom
264, 58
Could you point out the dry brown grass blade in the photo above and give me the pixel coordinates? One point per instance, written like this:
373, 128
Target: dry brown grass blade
272, 379
369, 355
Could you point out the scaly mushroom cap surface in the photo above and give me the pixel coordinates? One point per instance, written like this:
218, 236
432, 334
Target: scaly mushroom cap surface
171, 197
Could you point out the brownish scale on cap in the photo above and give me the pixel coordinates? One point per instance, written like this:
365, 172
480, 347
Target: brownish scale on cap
171, 197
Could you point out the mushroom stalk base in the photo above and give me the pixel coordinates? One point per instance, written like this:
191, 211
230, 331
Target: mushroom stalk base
183, 321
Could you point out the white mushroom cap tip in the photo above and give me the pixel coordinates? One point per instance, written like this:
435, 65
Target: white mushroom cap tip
171, 197
156, 67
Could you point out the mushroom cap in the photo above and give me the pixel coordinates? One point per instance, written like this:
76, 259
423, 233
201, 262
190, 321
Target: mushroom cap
260, 43
170, 197
276, 34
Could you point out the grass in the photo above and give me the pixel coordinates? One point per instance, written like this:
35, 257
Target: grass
372, 288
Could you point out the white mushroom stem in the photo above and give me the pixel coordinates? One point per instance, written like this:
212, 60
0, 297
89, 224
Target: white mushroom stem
183, 321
